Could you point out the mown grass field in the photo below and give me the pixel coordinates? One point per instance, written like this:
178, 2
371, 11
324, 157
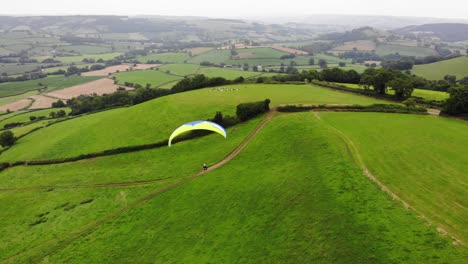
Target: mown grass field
385, 49
153, 77
53, 82
132, 126
165, 57
425, 166
260, 53
437, 71
180, 69
301, 204
226, 73
14, 98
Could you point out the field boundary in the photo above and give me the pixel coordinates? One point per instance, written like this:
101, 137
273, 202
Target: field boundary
357, 156
92, 227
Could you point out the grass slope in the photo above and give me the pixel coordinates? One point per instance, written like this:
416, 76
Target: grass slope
286, 199
385, 49
167, 165
261, 53
23, 118
153, 77
226, 73
437, 71
155, 120
180, 69
165, 57
425, 166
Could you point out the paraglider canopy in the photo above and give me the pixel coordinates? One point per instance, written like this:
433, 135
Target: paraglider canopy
198, 125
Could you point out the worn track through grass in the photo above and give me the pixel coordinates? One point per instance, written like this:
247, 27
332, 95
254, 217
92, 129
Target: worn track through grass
90, 228
350, 145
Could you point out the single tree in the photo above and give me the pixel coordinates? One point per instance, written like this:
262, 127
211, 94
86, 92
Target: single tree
7, 138
323, 64
311, 61
61, 113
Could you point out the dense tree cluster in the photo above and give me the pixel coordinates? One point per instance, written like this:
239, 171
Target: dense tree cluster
457, 104
247, 111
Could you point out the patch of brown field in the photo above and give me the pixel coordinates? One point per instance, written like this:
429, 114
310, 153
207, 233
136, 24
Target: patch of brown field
15, 106
198, 51
41, 101
120, 68
289, 50
99, 87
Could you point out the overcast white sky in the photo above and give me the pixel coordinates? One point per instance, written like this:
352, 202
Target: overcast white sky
239, 8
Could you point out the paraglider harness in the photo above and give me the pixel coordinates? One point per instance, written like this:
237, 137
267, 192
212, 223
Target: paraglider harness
205, 167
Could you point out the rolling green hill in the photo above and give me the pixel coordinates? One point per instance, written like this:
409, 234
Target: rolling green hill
437, 71
386, 49
132, 126
262, 206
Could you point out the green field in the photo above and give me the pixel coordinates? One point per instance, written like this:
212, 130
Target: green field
87, 49
261, 53
24, 118
213, 56
263, 206
13, 68
426, 94
70, 59
53, 82
425, 166
11, 99
165, 57
226, 73
437, 71
180, 69
153, 77
224, 56
132, 126
385, 49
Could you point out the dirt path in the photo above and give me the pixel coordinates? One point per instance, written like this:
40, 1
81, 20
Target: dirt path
93, 226
350, 145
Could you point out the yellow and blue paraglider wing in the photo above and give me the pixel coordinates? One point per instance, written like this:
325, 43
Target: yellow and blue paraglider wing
197, 125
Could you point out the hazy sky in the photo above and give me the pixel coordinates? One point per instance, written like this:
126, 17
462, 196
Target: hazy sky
239, 8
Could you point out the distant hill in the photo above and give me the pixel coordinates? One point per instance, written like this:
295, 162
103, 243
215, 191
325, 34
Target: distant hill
437, 71
362, 33
444, 31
